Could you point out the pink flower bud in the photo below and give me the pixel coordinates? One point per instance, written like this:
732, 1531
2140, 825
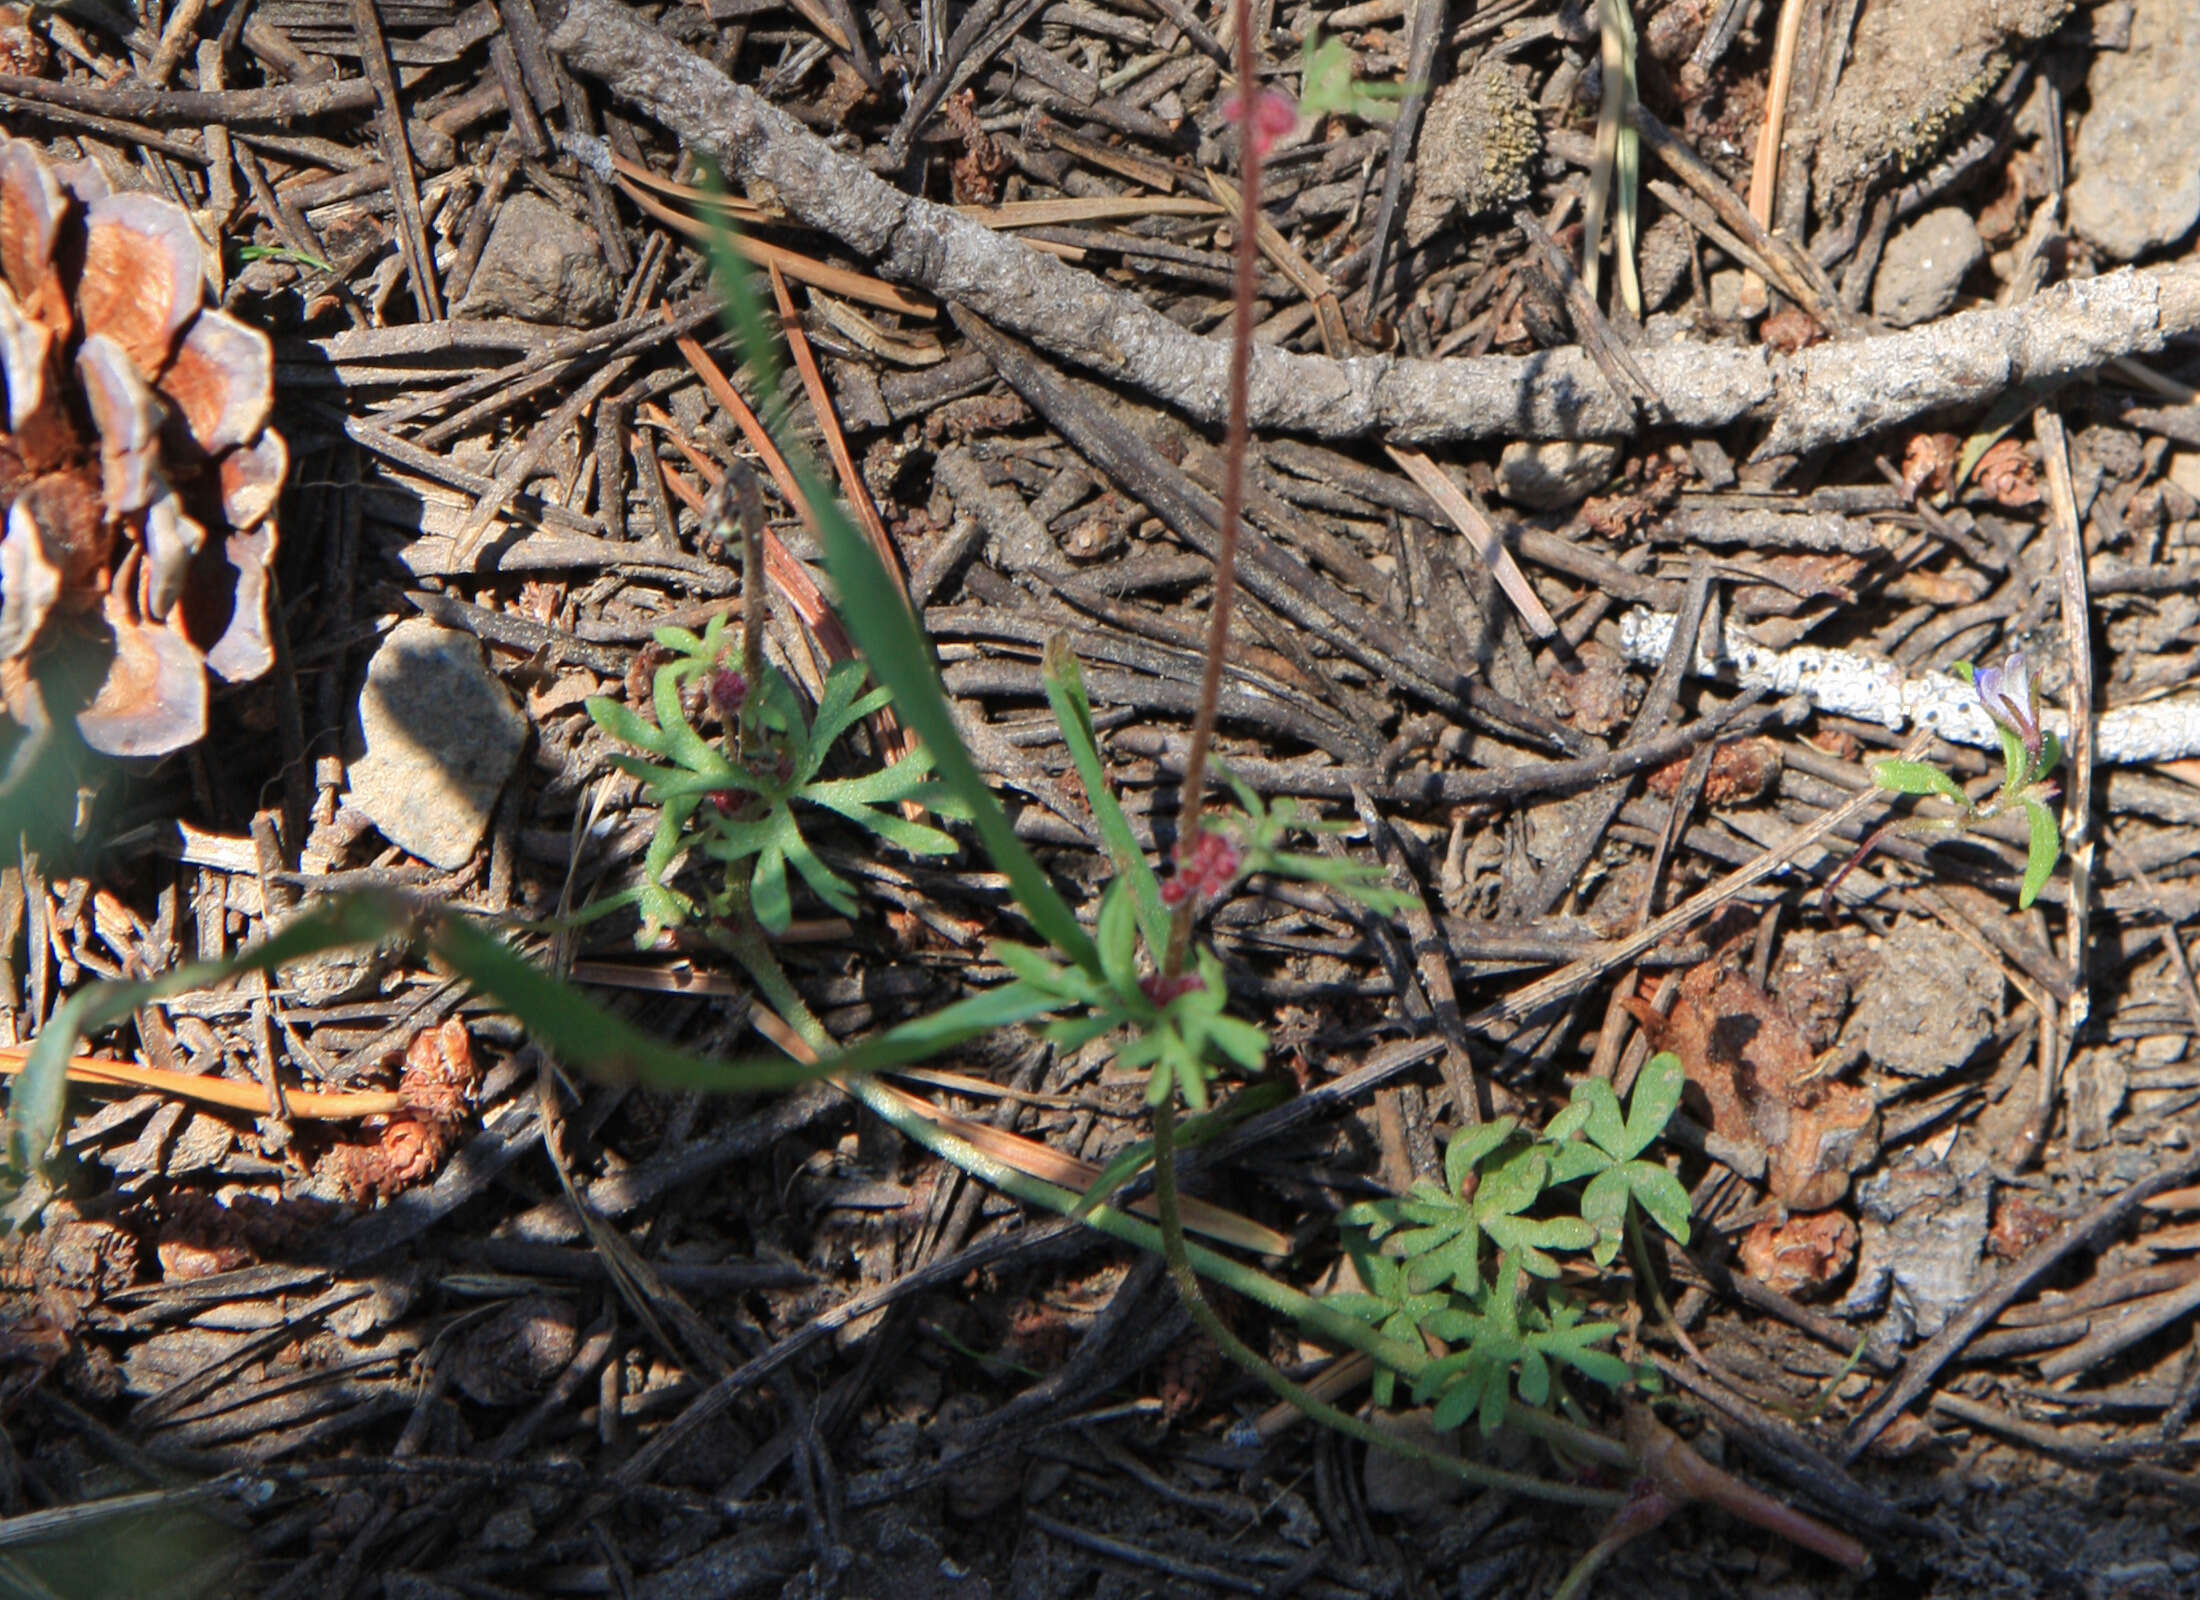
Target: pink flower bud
1162, 990
1210, 863
1274, 115
728, 690
1206, 865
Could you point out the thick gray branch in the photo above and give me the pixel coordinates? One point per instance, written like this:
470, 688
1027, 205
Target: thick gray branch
1824, 394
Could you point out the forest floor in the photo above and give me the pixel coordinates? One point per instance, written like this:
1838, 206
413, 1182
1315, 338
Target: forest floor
1932, 402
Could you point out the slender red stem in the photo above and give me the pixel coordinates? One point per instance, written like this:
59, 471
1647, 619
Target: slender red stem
1192, 794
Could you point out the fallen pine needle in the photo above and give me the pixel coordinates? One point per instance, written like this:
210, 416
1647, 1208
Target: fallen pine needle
311, 1104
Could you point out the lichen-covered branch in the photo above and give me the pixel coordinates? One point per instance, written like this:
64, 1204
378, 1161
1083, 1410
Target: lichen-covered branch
1874, 689
1821, 395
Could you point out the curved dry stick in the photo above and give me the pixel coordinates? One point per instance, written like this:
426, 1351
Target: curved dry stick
1826, 393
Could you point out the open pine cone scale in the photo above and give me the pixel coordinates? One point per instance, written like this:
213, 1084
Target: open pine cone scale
138, 472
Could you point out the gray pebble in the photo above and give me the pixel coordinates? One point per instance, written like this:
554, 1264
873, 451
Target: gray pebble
540, 265
438, 738
1924, 267
2137, 154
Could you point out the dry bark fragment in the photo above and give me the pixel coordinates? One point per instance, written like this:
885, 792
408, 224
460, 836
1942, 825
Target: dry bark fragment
437, 1083
1802, 1255
1750, 1068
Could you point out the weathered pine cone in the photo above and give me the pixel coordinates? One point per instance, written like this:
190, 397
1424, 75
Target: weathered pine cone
137, 471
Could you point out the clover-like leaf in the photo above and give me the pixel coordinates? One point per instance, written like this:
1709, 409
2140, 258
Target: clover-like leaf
1604, 1123
1570, 1119
1391, 1306
1660, 1194
1469, 1146
1656, 1096
1577, 1158
1456, 1261
1604, 1208
1512, 1185
1568, 1339
1527, 1239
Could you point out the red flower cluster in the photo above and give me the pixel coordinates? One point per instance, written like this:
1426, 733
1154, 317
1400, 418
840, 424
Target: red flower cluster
1274, 115
729, 690
1162, 990
1206, 865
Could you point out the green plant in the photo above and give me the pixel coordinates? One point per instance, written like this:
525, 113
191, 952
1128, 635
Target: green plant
1593, 1140
283, 253
1137, 976
1327, 82
2029, 753
733, 798
1469, 1266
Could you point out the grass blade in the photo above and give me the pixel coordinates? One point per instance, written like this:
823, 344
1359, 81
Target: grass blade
1065, 687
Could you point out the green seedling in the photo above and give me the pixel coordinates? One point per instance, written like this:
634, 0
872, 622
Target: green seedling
732, 799
1596, 1142
283, 253
1468, 1267
2030, 754
1328, 85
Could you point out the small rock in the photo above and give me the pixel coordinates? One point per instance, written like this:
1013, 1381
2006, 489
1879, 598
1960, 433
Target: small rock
1477, 148
1725, 289
509, 1529
1401, 1487
1924, 267
1661, 260
1926, 1004
1555, 473
1924, 1250
517, 1352
540, 265
439, 736
2137, 154
2096, 1083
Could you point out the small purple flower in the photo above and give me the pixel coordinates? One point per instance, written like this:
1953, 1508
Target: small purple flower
2007, 695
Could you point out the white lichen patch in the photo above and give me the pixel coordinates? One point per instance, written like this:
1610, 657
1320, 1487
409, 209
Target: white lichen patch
1872, 689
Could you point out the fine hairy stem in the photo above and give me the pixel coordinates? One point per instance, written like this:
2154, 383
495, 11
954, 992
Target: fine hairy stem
748, 504
1192, 791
